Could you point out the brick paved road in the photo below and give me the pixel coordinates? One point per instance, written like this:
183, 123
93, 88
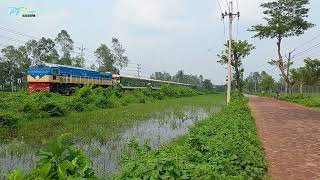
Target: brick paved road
290, 135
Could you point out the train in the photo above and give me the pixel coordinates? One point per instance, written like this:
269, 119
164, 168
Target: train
65, 79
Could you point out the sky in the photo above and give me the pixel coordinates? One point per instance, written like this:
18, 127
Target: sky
161, 35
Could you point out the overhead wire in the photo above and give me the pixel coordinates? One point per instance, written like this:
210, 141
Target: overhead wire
307, 50
220, 6
305, 43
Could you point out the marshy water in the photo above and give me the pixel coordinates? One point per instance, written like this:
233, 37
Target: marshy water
106, 157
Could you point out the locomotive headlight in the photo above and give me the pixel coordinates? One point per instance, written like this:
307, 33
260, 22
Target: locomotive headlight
37, 77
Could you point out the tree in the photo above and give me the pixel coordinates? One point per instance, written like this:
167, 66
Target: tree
240, 50
78, 61
267, 83
12, 68
179, 77
33, 51
120, 60
105, 59
66, 45
300, 76
207, 84
285, 18
164, 76
313, 70
46, 51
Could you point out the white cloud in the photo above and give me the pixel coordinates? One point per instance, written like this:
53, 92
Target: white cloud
151, 14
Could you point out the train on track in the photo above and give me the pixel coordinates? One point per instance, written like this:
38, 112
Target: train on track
65, 79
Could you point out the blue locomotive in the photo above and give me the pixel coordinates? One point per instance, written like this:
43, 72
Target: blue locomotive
60, 78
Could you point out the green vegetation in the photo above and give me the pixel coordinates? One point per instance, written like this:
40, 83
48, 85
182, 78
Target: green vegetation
240, 50
225, 146
310, 101
25, 106
61, 160
102, 123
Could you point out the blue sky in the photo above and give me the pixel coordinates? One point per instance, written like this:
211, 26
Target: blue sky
162, 35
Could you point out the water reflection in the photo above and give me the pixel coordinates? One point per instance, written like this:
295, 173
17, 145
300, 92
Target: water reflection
161, 129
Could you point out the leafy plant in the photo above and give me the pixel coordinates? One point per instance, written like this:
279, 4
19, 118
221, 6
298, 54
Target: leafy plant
61, 160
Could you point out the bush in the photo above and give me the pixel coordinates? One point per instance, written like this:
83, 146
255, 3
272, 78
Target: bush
8, 120
42, 104
60, 161
138, 94
53, 109
110, 102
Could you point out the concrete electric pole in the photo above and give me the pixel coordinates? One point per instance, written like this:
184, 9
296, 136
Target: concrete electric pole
231, 16
138, 69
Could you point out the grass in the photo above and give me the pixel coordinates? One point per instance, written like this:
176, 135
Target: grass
306, 100
101, 124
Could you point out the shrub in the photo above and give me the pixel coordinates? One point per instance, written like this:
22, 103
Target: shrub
103, 102
53, 109
8, 120
138, 94
61, 160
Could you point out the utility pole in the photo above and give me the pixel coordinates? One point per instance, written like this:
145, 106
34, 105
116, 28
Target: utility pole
81, 51
139, 69
288, 69
231, 16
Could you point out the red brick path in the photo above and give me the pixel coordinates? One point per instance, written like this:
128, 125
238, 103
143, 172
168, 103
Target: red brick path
290, 135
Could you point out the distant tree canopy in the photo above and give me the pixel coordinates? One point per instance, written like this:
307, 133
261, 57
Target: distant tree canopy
259, 82
181, 77
306, 75
15, 61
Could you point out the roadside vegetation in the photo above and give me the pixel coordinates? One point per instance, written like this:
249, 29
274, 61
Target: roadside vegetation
309, 101
224, 146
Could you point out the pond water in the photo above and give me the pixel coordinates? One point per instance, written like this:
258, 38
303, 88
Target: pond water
106, 157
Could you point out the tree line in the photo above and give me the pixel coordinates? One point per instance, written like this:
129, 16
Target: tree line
14, 61
309, 74
181, 77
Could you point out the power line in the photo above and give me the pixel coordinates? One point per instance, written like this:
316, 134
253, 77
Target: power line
228, 5
12, 39
238, 5
220, 6
307, 50
17, 32
300, 46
